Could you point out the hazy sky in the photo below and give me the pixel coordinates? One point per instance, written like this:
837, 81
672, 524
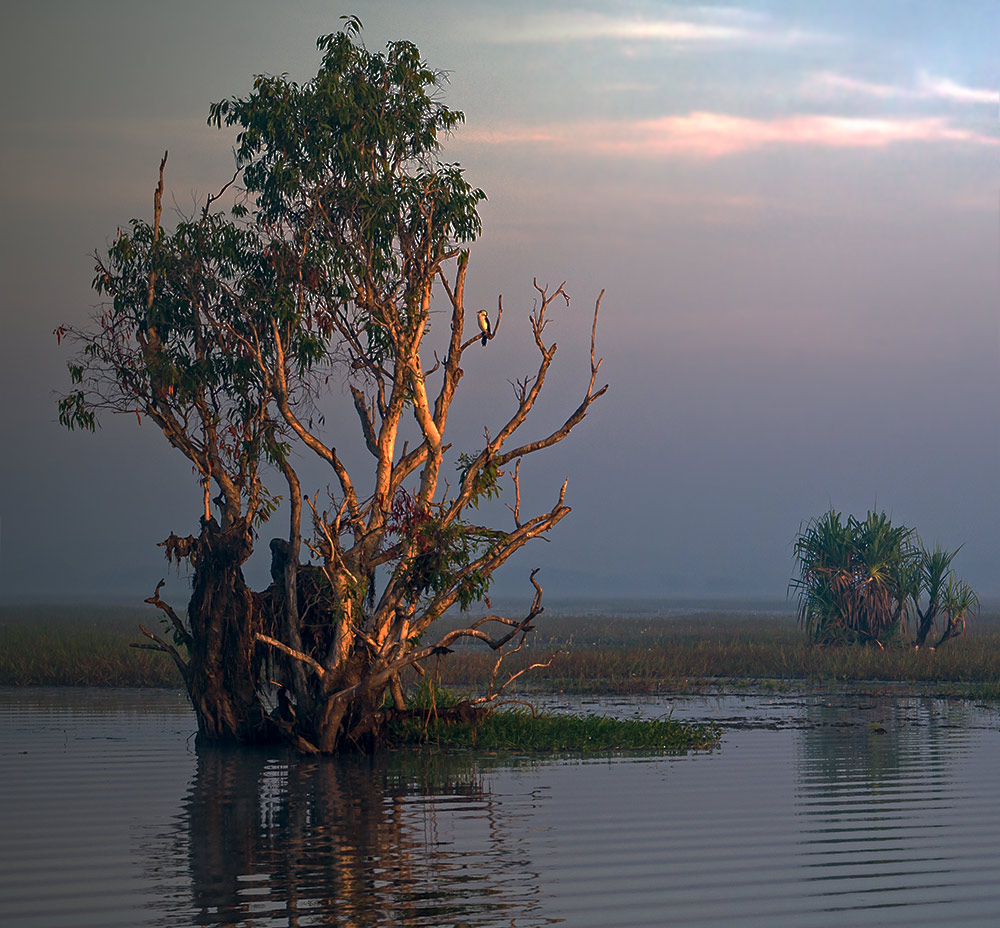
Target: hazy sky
793, 208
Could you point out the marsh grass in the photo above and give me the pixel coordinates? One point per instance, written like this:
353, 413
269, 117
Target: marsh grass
597, 655
594, 654
523, 730
74, 646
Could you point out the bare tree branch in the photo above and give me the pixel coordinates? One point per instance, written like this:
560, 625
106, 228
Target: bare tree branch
161, 645
367, 426
175, 619
318, 668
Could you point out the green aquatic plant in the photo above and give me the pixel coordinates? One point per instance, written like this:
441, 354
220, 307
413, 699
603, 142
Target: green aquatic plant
523, 729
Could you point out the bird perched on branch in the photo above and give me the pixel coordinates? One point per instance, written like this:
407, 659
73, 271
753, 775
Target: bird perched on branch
484, 325
284, 711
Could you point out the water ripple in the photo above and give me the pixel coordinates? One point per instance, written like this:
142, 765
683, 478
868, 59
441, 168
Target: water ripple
876, 811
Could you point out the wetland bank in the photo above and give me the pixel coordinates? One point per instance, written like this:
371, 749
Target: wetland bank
647, 647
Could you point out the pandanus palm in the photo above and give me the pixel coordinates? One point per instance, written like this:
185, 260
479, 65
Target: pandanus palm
935, 576
959, 601
887, 558
860, 579
824, 552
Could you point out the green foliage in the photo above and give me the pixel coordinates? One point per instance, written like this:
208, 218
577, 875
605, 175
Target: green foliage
74, 412
860, 579
524, 730
439, 553
350, 157
959, 601
346, 213
485, 483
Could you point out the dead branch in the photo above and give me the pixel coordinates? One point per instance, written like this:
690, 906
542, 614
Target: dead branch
516, 508
492, 695
212, 197
175, 619
291, 652
157, 209
489, 562
161, 645
367, 426
589, 397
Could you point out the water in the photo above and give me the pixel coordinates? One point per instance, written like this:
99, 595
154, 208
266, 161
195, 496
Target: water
829, 809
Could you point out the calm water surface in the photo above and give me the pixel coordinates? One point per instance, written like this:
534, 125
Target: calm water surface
830, 809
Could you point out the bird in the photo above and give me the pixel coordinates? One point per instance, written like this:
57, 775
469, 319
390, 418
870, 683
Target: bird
484, 325
285, 710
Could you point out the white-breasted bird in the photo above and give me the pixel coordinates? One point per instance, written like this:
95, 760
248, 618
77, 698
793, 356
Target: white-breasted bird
484, 325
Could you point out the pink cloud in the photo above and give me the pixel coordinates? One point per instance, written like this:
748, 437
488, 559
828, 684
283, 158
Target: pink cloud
714, 135
710, 27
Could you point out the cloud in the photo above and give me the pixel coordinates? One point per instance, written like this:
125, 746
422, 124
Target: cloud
944, 89
830, 85
706, 135
726, 26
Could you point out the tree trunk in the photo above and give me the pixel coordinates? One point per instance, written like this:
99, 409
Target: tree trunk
223, 619
926, 624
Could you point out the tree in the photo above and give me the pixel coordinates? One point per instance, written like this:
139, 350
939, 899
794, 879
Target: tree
860, 581
226, 332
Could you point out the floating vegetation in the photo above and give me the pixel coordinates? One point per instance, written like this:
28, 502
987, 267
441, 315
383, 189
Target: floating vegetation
524, 730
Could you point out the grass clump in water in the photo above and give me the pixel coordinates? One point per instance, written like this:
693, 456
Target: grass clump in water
525, 730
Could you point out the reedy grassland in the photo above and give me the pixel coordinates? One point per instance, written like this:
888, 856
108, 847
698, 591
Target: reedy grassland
594, 654
79, 646
688, 653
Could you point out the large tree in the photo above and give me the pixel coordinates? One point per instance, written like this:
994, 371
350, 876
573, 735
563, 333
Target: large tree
343, 229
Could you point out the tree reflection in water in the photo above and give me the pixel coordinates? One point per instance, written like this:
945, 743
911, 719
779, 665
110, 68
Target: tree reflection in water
875, 741
882, 804
401, 841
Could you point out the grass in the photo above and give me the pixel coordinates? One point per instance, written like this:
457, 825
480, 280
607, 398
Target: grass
523, 730
73, 647
617, 655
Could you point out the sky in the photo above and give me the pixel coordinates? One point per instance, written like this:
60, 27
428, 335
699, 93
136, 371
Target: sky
793, 210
